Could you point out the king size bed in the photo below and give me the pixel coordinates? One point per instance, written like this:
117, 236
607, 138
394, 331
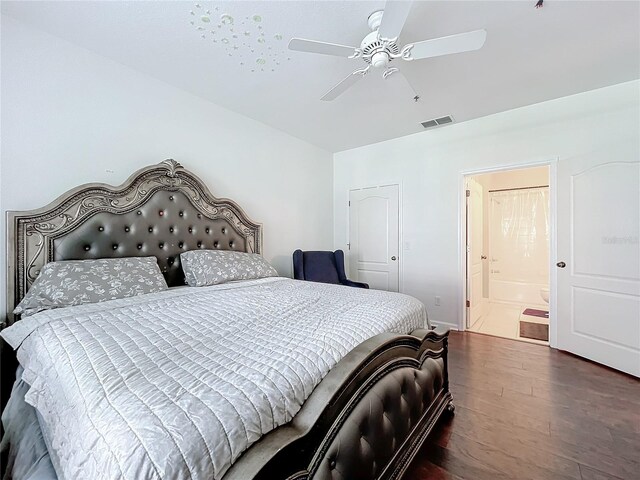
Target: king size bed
260, 377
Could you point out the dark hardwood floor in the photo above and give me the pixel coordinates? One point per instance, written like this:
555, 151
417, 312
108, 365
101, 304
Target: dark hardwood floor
526, 411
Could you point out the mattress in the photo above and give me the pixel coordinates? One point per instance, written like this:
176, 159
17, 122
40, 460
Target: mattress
179, 384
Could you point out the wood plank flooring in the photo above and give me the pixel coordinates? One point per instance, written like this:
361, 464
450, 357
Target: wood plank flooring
530, 412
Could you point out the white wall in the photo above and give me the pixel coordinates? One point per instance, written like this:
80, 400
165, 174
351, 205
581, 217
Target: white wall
429, 167
70, 116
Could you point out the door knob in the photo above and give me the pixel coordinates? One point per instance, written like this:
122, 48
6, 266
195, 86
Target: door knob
393, 258
483, 257
561, 264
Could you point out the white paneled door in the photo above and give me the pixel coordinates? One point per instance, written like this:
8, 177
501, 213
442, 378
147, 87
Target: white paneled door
373, 237
599, 258
475, 254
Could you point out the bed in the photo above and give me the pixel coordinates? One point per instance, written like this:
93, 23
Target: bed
256, 379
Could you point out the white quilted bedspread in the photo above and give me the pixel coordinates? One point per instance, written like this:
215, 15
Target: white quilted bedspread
177, 384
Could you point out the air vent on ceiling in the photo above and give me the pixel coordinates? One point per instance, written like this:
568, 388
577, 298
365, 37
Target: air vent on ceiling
436, 122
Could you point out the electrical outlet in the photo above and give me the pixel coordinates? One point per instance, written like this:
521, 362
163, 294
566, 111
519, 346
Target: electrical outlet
437, 301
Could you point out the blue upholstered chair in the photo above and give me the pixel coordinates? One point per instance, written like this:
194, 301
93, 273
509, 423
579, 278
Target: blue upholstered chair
324, 267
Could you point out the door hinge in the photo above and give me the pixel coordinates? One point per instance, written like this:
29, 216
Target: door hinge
349, 202
468, 303
348, 246
468, 193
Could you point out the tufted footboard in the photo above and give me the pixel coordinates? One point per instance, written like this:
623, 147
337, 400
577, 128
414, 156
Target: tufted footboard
366, 419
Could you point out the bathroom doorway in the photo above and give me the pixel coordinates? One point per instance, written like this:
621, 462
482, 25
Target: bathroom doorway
508, 240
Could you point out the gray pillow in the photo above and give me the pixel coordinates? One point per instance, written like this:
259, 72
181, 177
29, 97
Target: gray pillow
211, 267
74, 282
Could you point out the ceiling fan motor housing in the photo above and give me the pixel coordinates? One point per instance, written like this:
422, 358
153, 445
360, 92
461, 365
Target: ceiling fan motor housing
376, 52
375, 19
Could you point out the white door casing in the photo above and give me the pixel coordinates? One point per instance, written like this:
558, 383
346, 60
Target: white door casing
475, 251
374, 237
598, 240
462, 241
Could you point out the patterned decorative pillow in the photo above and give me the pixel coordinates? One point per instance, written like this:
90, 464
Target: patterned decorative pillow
211, 267
74, 282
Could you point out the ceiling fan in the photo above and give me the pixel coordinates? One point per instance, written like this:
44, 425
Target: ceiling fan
380, 47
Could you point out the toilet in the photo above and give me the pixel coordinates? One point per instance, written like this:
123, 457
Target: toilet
544, 293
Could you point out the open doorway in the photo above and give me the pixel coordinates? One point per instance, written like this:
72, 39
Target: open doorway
508, 238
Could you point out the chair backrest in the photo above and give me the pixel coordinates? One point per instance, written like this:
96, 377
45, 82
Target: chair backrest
316, 266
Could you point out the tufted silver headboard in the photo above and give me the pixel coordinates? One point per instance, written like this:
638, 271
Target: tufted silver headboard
161, 210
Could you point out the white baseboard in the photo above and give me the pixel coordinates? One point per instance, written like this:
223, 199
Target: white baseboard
436, 323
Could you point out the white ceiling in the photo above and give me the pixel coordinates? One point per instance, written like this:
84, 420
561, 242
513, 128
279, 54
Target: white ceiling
530, 55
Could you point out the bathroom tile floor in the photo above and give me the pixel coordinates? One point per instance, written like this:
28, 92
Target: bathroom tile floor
503, 320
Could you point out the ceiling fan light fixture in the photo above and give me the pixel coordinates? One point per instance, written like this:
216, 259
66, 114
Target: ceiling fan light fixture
380, 59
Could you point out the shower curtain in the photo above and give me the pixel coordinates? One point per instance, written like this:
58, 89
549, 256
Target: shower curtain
519, 238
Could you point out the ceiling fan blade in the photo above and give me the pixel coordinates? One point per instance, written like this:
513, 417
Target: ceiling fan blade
344, 85
396, 77
462, 42
324, 48
393, 19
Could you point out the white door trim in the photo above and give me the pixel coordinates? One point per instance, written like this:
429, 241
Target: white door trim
400, 226
553, 247
475, 310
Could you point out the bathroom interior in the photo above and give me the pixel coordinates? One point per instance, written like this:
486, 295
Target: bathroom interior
508, 247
